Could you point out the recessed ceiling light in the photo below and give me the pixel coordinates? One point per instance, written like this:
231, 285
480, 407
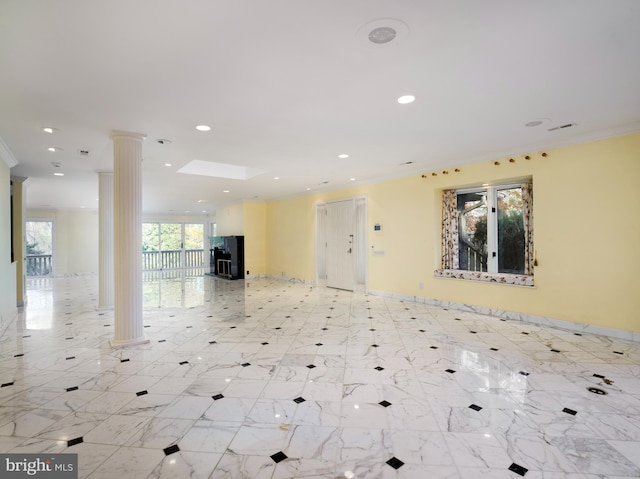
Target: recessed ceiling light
276, 177
405, 99
203, 127
308, 189
201, 201
343, 156
187, 211
225, 191
54, 148
352, 179
168, 164
58, 174
204, 211
47, 129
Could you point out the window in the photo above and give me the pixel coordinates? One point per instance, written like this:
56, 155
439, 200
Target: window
488, 231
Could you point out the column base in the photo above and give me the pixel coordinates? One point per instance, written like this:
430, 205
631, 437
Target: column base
125, 343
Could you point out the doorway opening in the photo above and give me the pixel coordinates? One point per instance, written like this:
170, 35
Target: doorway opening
39, 244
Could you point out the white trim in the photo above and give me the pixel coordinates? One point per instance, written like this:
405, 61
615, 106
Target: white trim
7, 155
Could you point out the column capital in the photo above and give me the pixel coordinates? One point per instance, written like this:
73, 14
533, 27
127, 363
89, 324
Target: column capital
121, 134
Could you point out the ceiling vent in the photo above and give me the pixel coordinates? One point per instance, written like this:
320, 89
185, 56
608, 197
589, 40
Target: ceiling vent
83, 152
568, 125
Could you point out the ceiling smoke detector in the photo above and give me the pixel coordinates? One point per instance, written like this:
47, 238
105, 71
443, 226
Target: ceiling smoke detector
163, 141
55, 164
382, 35
83, 152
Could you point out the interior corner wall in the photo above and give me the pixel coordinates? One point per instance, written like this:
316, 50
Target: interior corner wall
8, 308
75, 240
585, 234
255, 229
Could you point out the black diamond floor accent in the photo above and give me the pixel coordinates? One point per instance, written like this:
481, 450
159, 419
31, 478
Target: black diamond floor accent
372, 329
378, 368
577, 334
171, 449
217, 396
74, 388
422, 330
73, 442
395, 463
232, 327
70, 357
4, 385
265, 343
182, 363
162, 341
298, 400
278, 327
279, 457
493, 349
189, 327
325, 329
244, 365
600, 376
475, 407
518, 469
318, 344
375, 345
433, 347
311, 366
473, 332
18, 355
142, 393
524, 373
384, 403
450, 371
570, 411
213, 342
618, 352
126, 360
147, 326
555, 351
524, 332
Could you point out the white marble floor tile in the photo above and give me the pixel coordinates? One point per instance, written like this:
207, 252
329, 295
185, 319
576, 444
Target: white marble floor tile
279, 380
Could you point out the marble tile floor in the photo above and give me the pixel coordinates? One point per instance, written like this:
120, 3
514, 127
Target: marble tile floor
271, 379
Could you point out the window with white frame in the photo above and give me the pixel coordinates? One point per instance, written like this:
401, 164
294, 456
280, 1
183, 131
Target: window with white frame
488, 230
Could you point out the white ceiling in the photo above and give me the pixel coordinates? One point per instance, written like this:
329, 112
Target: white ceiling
288, 85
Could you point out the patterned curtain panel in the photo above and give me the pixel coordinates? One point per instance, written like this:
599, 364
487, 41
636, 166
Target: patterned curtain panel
527, 214
449, 230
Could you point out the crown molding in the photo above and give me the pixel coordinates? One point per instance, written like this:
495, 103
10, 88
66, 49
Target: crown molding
6, 154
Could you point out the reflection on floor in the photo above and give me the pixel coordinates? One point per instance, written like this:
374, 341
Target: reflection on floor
268, 379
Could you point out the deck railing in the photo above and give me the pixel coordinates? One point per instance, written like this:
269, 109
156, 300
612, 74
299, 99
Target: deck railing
38, 264
172, 259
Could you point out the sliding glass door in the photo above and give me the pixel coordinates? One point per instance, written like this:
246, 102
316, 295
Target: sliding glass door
169, 246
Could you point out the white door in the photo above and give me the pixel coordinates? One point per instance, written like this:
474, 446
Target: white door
340, 244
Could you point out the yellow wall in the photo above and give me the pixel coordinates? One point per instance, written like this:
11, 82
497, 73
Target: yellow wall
230, 220
255, 230
585, 231
19, 234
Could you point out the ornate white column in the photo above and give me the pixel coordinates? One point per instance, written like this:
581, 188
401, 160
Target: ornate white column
127, 208
105, 240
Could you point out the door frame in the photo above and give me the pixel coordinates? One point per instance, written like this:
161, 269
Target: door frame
362, 242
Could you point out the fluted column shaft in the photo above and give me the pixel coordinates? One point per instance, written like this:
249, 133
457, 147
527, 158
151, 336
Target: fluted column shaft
127, 209
105, 240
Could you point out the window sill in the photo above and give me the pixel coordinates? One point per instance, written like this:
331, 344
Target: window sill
501, 278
